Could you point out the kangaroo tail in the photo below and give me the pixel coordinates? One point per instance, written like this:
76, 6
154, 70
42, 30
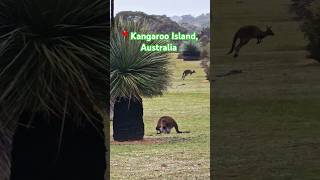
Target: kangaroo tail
233, 43
184, 131
177, 129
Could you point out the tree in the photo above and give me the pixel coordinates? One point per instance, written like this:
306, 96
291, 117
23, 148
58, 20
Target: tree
54, 90
134, 74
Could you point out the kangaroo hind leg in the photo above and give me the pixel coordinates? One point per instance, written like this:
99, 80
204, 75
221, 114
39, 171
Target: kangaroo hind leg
259, 41
239, 46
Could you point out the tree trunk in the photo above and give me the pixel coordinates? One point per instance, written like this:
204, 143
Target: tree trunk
128, 120
5, 149
36, 154
112, 12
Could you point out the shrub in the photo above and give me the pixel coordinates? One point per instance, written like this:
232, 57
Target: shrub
205, 62
308, 12
191, 51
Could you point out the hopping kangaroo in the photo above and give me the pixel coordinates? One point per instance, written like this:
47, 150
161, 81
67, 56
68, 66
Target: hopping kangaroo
187, 72
166, 123
245, 34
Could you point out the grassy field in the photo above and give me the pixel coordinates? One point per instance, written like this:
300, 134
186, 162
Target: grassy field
266, 119
172, 156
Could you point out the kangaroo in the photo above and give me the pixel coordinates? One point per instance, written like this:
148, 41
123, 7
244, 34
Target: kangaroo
166, 123
187, 72
245, 34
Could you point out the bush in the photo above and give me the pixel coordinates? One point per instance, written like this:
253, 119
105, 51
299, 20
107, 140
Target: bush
205, 62
191, 51
204, 54
308, 12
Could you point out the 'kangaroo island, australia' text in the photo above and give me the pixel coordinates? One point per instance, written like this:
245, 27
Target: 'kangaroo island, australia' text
164, 41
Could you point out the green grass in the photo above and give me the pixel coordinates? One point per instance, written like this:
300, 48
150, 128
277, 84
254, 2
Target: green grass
175, 156
267, 119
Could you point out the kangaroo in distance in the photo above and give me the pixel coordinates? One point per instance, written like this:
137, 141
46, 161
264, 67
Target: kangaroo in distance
166, 123
245, 34
187, 72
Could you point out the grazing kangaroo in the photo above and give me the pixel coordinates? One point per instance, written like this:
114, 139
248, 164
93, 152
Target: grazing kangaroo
187, 72
245, 34
166, 123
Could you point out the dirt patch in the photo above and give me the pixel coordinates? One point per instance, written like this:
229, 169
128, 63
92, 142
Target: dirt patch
232, 72
146, 140
152, 140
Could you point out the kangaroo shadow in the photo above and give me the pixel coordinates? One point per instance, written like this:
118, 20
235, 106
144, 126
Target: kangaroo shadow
232, 72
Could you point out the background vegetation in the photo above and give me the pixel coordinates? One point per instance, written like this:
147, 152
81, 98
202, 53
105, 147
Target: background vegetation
308, 12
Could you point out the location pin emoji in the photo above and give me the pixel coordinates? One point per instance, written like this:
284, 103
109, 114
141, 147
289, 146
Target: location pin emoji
125, 33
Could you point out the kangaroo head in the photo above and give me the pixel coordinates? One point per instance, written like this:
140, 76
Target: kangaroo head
269, 31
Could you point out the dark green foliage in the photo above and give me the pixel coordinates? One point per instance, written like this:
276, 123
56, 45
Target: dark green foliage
191, 50
308, 12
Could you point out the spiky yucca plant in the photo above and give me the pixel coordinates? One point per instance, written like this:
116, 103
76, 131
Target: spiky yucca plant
134, 74
53, 62
53, 55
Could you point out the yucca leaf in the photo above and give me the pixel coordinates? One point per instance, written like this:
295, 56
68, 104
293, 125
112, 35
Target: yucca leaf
136, 73
53, 53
